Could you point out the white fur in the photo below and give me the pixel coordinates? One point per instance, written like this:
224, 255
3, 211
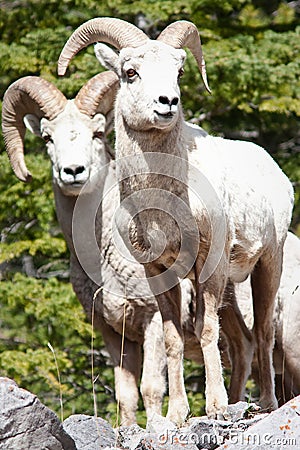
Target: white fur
256, 201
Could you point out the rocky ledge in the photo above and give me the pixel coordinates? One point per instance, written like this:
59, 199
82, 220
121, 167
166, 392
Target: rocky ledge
27, 424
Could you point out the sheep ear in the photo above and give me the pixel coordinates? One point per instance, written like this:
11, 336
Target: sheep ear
32, 123
108, 120
107, 57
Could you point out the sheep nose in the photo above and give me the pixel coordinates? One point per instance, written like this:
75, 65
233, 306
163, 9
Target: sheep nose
167, 101
74, 170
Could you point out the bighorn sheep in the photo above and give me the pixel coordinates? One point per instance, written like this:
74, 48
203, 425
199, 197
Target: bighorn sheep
236, 225
287, 316
286, 321
75, 135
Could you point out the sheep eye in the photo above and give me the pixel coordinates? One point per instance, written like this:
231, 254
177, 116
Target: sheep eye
98, 134
131, 73
47, 138
180, 72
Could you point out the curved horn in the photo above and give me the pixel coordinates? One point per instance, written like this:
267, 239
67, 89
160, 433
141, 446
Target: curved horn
116, 32
28, 95
98, 94
185, 34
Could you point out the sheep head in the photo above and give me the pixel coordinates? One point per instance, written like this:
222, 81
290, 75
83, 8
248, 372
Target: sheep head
29, 95
74, 130
149, 70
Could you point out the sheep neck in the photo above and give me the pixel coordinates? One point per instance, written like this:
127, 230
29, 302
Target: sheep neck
136, 177
65, 205
136, 144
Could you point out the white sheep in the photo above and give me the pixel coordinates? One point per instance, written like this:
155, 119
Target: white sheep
286, 319
287, 315
75, 135
235, 226
286, 356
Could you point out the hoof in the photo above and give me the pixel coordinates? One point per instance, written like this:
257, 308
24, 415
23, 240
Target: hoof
219, 416
179, 416
268, 404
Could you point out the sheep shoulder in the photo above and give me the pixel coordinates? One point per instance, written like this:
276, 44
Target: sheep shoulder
255, 195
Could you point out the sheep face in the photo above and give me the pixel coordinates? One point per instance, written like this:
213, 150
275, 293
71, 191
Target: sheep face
149, 83
75, 144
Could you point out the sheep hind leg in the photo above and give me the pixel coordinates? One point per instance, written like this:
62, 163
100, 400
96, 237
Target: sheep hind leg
265, 280
207, 331
241, 346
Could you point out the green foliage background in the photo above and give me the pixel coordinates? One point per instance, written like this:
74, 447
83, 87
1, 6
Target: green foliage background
253, 64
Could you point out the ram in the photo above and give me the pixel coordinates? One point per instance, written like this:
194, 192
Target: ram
75, 135
235, 226
286, 321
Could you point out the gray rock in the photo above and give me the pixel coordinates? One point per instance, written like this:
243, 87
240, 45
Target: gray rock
278, 430
210, 434
170, 439
130, 437
242, 410
159, 424
25, 423
90, 433
206, 433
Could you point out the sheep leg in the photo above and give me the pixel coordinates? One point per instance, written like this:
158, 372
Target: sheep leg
169, 303
126, 382
290, 382
240, 346
265, 280
153, 383
207, 331
286, 353
126, 370
284, 387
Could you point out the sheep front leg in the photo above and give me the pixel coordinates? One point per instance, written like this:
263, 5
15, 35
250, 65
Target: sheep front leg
265, 280
153, 383
207, 331
169, 303
126, 369
126, 382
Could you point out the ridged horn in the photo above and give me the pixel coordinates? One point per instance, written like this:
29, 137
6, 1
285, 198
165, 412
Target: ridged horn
28, 95
185, 34
98, 94
116, 32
